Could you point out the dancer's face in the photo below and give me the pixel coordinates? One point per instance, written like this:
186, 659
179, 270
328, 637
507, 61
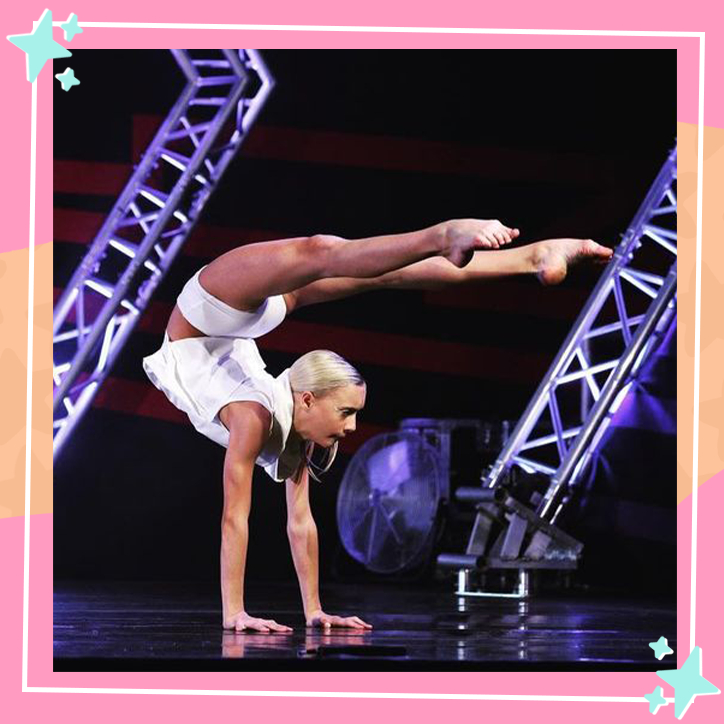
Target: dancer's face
329, 416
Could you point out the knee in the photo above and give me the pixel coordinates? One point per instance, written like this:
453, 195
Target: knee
322, 248
324, 243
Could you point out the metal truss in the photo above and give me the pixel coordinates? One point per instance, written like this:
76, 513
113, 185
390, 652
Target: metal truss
622, 322
620, 326
150, 221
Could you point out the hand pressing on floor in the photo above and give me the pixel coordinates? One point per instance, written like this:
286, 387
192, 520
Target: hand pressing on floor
324, 620
242, 621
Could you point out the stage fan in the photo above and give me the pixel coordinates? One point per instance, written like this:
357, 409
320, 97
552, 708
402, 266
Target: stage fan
388, 501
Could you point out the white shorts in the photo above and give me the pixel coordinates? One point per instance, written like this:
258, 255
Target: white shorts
217, 319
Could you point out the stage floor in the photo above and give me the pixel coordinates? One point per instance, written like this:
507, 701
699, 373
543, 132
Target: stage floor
173, 626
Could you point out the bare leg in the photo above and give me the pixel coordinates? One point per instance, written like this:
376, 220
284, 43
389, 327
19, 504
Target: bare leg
548, 260
428, 274
243, 277
432, 274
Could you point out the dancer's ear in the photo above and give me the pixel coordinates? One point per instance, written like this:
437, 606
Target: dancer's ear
307, 398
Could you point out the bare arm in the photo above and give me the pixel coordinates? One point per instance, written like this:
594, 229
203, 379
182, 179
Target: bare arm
304, 544
249, 429
303, 541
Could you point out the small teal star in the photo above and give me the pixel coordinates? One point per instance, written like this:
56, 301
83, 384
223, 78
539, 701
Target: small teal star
71, 27
688, 682
655, 700
39, 45
67, 79
661, 648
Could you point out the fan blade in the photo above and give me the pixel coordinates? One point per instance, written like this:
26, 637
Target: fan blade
388, 519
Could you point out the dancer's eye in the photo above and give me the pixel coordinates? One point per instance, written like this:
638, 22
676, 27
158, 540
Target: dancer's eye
349, 410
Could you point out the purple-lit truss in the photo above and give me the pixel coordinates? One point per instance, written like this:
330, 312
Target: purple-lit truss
150, 221
622, 322
620, 326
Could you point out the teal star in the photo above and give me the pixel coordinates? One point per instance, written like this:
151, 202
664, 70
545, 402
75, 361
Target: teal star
688, 682
71, 27
67, 79
655, 700
661, 648
39, 45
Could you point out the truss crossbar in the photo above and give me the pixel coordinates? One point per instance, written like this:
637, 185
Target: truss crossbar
149, 223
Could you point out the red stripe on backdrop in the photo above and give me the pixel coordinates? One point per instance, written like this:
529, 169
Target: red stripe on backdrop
398, 153
144, 129
510, 297
139, 398
425, 355
207, 242
388, 153
381, 348
93, 178
96, 178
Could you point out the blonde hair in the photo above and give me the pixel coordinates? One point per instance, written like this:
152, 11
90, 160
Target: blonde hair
321, 371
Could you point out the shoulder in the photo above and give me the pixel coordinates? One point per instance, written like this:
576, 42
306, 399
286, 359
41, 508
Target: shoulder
248, 422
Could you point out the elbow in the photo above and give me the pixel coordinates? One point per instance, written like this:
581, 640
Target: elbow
300, 528
234, 524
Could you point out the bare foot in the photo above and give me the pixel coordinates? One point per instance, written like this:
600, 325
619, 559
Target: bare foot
462, 237
552, 257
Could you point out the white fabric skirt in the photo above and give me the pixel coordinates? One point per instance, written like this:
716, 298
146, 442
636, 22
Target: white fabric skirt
199, 375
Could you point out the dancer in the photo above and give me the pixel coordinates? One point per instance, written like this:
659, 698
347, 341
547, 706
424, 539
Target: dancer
209, 366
